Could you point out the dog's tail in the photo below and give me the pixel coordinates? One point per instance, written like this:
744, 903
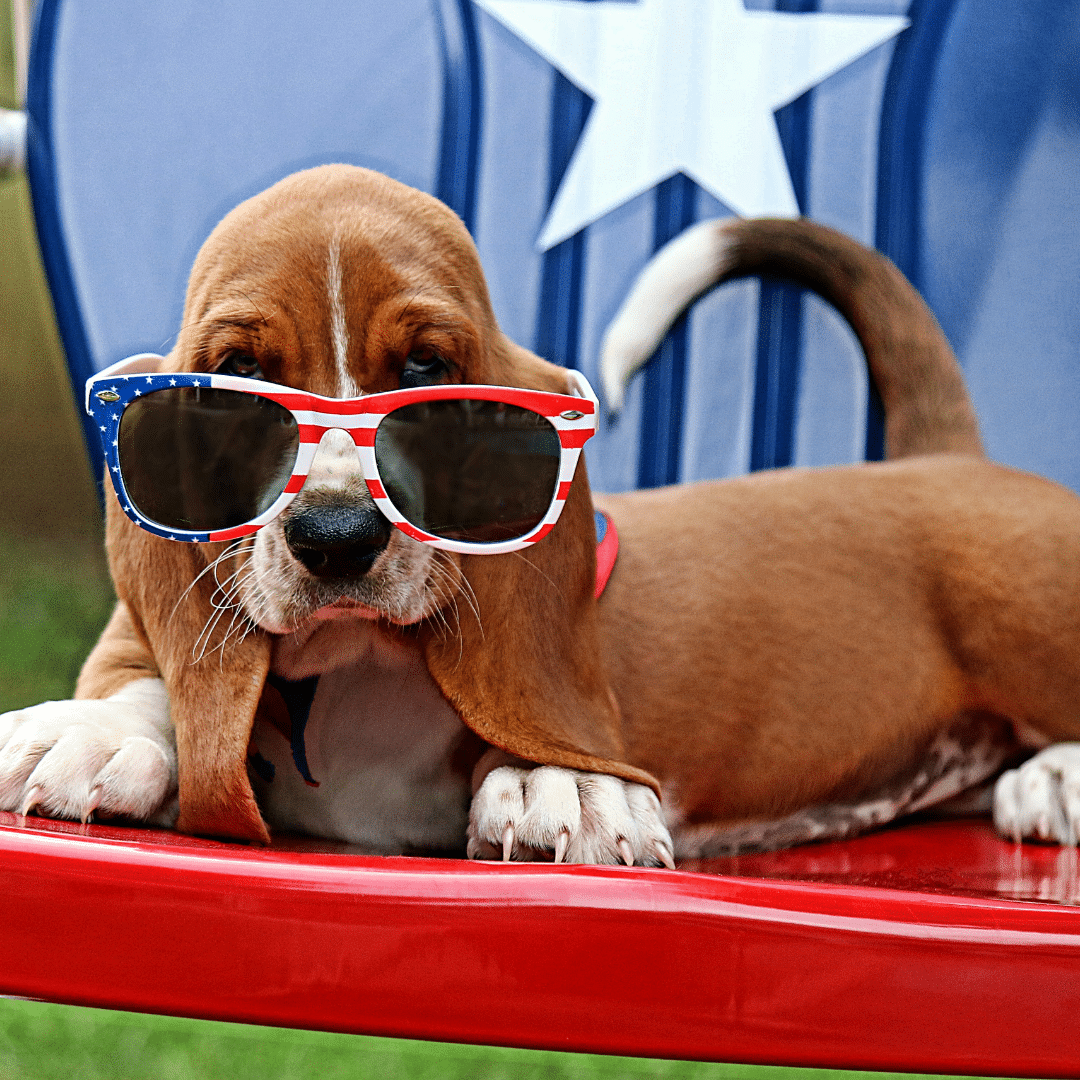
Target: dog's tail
927, 407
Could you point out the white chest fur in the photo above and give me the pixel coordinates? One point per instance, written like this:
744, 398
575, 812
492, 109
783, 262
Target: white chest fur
380, 740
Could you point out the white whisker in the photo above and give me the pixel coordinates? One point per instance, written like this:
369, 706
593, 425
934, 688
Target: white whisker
434, 587
529, 562
459, 584
235, 548
211, 625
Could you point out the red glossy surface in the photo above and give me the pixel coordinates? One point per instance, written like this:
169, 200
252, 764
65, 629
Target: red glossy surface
907, 950
944, 858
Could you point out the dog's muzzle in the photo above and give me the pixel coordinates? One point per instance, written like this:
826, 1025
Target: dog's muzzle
337, 541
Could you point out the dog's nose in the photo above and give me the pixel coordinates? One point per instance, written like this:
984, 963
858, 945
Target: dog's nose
337, 541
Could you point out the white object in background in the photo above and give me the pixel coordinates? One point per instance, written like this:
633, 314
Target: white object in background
12, 140
683, 86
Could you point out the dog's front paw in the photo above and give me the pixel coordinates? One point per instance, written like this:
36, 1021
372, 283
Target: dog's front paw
113, 757
571, 816
1041, 799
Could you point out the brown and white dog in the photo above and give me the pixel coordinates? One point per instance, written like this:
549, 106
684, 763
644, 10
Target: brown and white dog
783, 657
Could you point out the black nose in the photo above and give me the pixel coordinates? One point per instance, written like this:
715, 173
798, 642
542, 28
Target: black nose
337, 541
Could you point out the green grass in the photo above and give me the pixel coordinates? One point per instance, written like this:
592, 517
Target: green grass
39, 1041
55, 597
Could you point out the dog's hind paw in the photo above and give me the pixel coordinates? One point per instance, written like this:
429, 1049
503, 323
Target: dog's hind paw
72, 759
1041, 799
564, 815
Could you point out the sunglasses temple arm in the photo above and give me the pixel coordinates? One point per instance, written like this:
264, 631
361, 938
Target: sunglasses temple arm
582, 387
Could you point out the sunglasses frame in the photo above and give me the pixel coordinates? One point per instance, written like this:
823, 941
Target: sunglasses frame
109, 393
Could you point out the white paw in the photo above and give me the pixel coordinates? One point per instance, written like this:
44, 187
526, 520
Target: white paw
578, 817
71, 759
1041, 799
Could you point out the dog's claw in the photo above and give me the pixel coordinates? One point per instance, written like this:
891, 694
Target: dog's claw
92, 803
626, 851
561, 844
32, 798
664, 856
508, 841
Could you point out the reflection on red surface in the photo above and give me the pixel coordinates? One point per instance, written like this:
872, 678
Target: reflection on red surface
932, 947
944, 858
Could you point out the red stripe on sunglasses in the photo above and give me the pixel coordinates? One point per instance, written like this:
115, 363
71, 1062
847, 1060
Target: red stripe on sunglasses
537, 401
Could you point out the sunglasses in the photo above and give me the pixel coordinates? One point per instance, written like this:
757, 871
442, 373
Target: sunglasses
472, 469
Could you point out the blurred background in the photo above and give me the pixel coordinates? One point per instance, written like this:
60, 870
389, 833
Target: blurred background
55, 593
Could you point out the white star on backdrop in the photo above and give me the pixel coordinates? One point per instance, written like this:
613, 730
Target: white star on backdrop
683, 86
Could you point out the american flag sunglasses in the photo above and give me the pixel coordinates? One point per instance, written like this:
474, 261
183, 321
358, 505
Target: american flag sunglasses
472, 469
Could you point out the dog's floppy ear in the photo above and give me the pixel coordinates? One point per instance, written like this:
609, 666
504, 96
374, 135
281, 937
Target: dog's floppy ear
527, 675
212, 696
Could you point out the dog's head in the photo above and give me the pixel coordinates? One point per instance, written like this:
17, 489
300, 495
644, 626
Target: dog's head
342, 282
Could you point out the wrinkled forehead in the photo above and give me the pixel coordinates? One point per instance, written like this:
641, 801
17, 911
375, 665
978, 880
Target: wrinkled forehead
390, 235
337, 259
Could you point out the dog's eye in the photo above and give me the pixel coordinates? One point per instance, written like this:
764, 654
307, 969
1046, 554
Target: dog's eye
238, 363
423, 369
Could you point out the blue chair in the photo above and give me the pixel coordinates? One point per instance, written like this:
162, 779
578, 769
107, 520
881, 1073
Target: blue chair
956, 150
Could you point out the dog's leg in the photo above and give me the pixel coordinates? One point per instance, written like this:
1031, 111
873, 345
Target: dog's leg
1041, 799
522, 812
110, 751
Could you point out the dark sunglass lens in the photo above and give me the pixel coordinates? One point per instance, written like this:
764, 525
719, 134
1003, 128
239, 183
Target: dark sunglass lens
475, 471
202, 459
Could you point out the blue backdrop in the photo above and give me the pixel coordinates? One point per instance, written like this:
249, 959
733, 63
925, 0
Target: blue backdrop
955, 148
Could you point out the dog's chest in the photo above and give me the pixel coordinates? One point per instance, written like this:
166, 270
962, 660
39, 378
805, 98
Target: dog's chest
384, 747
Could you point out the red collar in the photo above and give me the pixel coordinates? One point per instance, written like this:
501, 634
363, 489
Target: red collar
607, 550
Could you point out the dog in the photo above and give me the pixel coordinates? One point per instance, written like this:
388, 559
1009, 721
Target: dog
784, 657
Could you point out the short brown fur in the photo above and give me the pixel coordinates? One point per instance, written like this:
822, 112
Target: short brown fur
764, 643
